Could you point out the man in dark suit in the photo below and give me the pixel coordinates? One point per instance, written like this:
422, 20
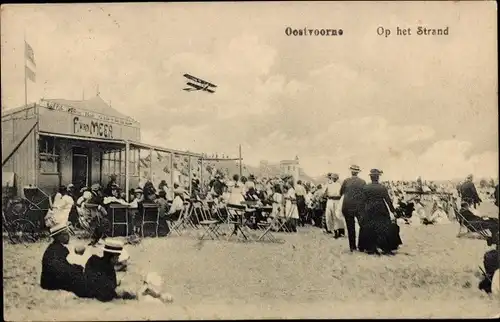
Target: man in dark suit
469, 193
100, 274
352, 190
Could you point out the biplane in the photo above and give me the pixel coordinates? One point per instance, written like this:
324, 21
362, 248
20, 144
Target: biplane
197, 84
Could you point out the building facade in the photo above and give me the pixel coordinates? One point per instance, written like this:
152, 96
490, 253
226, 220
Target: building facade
290, 167
56, 142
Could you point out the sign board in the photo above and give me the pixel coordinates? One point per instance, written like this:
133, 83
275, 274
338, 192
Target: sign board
97, 116
57, 118
90, 127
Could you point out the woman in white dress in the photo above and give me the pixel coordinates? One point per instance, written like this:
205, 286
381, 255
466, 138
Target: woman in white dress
291, 210
277, 203
236, 191
62, 206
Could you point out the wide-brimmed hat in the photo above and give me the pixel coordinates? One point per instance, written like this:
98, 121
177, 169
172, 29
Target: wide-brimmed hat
58, 228
355, 167
376, 172
138, 190
87, 195
114, 246
333, 176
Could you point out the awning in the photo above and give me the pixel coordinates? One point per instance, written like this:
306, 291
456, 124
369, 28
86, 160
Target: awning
160, 149
82, 138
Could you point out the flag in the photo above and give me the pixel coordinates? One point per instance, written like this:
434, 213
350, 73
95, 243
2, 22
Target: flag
30, 74
29, 53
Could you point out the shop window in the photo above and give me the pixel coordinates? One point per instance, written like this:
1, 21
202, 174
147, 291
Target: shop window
111, 162
49, 155
134, 164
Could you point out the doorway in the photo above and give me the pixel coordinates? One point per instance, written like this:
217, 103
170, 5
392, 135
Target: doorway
80, 167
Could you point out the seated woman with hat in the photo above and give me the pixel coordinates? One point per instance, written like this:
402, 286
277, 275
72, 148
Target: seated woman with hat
100, 274
57, 272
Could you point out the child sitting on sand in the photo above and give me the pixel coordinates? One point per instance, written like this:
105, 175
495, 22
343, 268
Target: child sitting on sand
152, 290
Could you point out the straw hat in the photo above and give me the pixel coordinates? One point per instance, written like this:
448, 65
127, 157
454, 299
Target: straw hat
58, 228
114, 246
355, 167
376, 172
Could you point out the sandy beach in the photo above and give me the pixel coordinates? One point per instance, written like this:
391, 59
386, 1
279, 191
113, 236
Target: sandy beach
309, 276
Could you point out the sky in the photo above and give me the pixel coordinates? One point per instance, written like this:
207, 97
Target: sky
409, 105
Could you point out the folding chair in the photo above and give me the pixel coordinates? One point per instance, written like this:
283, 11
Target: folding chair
478, 226
150, 216
283, 221
267, 231
119, 217
210, 225
236, 215
181, 222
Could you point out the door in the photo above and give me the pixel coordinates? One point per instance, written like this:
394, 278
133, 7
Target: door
80, 168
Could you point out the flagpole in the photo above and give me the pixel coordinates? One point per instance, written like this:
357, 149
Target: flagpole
25, 75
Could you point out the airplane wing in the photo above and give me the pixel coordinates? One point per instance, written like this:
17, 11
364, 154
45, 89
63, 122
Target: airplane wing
198, 80
194, 85
209, 90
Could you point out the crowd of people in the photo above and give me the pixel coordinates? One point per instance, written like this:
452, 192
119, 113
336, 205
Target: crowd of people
335, 207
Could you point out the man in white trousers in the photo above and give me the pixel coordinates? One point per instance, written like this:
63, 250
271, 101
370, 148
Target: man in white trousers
332, 193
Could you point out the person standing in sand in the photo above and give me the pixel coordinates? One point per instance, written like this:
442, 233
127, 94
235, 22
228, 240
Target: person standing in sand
332, 193
352, 191
376, 229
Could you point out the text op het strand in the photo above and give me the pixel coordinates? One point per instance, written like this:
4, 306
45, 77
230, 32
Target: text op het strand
408, 31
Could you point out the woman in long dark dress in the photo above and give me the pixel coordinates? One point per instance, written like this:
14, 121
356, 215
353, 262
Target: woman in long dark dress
377, 229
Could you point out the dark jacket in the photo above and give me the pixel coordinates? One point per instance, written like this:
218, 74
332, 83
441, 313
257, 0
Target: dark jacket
58, 273
100, 279
469, 193
352, 190
218, 187
374, 195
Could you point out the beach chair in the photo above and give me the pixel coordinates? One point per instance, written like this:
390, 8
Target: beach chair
150, 216
207, 221
119, 217
481, 227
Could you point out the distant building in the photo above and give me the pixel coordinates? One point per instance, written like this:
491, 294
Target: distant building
290, 167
